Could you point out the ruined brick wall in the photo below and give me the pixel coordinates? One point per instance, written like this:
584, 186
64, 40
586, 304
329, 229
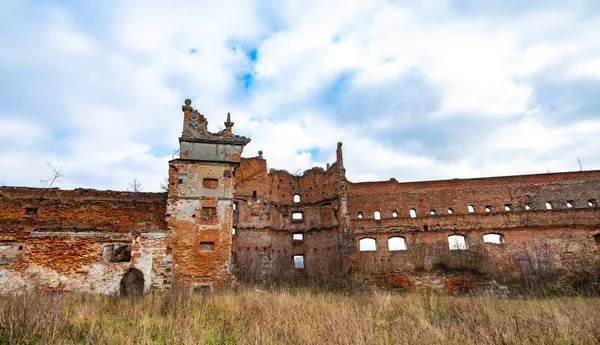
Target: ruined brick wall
61, 239
267, 237
548, 218
200, 217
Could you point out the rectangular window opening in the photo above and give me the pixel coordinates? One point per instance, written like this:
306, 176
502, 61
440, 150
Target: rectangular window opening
116, 252
31, 212
296, 215
207, 246
298, 236
298, 261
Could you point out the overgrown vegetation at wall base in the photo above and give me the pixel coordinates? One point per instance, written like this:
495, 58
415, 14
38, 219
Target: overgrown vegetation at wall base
299, 316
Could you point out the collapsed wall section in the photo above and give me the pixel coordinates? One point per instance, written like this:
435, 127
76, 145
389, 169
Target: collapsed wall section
82, 240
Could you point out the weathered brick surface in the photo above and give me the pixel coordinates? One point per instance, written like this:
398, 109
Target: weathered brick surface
63, 240
54, 239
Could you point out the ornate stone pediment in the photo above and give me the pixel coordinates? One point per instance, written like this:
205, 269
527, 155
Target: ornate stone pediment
196, 127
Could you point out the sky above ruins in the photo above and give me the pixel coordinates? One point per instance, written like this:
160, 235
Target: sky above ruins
416, 90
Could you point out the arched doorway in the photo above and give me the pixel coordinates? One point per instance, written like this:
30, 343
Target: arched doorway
132, 283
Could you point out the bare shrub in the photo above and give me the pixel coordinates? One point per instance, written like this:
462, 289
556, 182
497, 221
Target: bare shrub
535, 264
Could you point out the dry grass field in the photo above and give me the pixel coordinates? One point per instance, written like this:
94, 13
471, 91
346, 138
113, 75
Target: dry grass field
300, 316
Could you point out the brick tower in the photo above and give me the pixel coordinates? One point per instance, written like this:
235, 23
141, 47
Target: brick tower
200, 201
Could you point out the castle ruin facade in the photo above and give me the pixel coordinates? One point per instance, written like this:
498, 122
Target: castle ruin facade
227, 220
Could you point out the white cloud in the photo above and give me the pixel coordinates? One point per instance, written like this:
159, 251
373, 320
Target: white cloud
111, 84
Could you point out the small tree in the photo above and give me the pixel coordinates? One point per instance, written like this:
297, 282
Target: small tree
164, 185
135, 185
49, 182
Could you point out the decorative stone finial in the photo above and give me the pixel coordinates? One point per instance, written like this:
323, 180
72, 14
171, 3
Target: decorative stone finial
339, 144
187, 105
228, 123
260, 153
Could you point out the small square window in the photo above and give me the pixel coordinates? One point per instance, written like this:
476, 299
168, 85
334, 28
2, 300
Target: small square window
570, 203
450, 211
488, 209
395, 214
508, 207
297, 236
528, 206
360, 215
592, 203
179, 181
471, 208
298, 261
31, 212
432, 213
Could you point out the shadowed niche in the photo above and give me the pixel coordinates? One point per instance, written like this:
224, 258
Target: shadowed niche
132, 283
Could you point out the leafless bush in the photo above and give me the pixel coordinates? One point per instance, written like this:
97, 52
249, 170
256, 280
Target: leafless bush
26, 312
535, 264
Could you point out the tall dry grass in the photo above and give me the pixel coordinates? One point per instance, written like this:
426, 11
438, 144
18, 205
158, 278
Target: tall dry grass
301, 316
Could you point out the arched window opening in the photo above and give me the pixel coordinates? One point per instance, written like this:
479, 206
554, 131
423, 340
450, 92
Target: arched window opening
457, 242
432, 213
470, 208
367, 245
377, 215
413, 213
570, 203
396, 243
493, 238
360, 215
450, 211
508, 207
488, 209
296, 197
548, 205
395, 214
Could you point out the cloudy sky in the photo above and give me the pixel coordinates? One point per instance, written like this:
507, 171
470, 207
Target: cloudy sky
416, 90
